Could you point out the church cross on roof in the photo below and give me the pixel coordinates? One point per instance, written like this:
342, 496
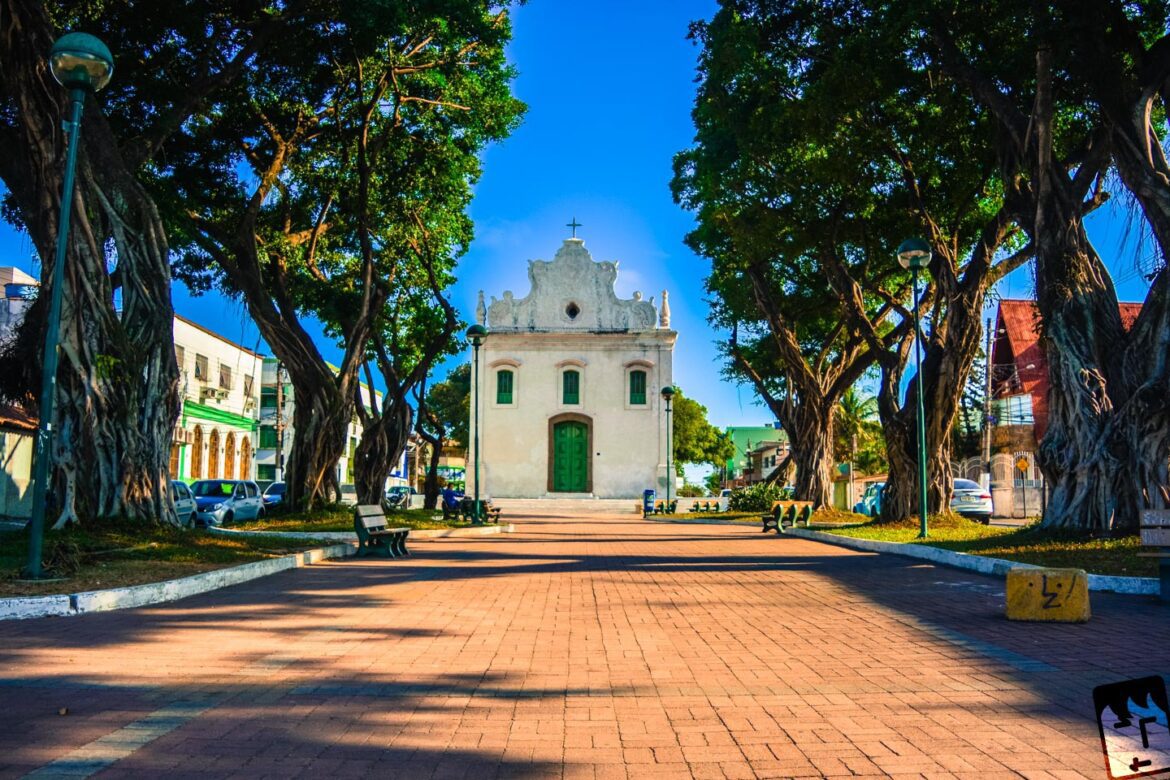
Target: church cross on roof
574, 224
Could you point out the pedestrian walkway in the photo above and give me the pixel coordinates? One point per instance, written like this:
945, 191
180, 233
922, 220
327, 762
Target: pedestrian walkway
599, 646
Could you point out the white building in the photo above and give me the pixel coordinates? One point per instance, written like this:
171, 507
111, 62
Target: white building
215, 437
276, 431
568, 400
20, 290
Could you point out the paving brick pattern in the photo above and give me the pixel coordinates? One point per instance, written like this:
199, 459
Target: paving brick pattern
591, 647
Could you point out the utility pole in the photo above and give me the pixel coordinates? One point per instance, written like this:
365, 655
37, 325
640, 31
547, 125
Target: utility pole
987, 411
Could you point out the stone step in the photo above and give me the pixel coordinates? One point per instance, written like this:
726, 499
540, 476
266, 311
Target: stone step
566, 506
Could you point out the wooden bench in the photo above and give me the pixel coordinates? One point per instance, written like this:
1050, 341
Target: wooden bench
1155, 532
374, 538
787, 513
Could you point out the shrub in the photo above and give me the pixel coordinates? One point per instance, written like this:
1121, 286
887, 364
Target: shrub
757, 498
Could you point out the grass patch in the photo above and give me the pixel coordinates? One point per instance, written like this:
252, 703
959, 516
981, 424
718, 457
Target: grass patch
339, 517
116, 554
1027, 544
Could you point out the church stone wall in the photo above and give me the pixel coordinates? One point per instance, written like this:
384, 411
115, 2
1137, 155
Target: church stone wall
572, 319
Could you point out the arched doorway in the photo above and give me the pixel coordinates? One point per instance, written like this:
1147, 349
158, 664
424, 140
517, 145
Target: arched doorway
213, 454
570, 445
229, 455
245, 458
197, 454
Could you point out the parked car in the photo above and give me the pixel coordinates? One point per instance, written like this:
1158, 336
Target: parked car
870, 504
398, 496
184, 503
273, 494
971, 500
222, 501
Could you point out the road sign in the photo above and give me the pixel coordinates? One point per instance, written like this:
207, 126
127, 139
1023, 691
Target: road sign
1131, 719
1022, 464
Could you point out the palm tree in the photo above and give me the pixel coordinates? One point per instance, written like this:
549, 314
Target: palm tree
859, 438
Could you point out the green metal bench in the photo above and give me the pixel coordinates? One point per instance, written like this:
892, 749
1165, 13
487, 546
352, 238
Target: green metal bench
487, 511
374, 538
787, 513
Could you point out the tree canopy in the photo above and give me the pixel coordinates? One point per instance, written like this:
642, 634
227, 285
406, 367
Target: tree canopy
695, 439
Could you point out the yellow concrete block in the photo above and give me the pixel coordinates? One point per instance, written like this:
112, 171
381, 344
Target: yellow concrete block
1055, 595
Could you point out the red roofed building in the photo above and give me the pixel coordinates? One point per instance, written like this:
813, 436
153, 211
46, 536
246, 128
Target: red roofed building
1019, 379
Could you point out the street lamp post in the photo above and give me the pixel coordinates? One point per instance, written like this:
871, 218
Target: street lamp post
667, 395
82, 64
914, 254
476, 334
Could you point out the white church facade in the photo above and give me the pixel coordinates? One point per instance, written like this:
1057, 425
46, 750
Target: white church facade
568, 400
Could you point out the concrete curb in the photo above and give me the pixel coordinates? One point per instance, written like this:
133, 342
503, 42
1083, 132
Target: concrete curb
349, 536
19, 608
1138, 586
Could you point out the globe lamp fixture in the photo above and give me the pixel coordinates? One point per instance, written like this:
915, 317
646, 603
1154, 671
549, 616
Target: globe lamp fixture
476, 335
667, 393
914, 254
81, 61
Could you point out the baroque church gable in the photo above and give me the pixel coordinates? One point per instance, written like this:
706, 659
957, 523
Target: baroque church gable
571, 293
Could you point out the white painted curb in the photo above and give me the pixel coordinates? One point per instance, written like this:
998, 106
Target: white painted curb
978, 563
158, 592
350, 536
1137, 586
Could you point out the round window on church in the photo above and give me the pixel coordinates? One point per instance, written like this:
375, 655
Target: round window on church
572, 310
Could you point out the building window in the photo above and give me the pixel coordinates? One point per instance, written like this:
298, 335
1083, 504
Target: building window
248, 381
197, 454
213, 455
266, 472
268, 438
225, 377
229, 456
638, 387
267, 397
571, 387
180, 357
504, 384
245, 458
201, 368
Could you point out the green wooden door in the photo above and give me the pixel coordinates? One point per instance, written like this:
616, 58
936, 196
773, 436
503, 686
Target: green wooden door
570, 457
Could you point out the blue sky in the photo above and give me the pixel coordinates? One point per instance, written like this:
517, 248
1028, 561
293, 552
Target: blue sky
610, 86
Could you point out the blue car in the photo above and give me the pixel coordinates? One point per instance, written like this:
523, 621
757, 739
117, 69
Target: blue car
220, 501
273, 494
870, 504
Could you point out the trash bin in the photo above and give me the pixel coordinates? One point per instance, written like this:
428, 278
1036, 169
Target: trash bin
648, 502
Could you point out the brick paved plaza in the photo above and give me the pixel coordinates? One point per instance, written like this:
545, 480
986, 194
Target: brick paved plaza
578, 647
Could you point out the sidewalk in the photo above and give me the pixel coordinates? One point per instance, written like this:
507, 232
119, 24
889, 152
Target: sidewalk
603, 646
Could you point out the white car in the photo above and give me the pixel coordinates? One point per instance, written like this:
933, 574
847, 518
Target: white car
971, 500
184, 503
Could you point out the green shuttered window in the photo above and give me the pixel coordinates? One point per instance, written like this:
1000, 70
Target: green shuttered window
637, 387
571, 384
504, 387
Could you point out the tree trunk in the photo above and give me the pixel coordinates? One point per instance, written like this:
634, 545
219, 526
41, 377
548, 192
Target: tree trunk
321, 420
812, 447
945, 365
117, 385
1085, 453
431, 483
383, 440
